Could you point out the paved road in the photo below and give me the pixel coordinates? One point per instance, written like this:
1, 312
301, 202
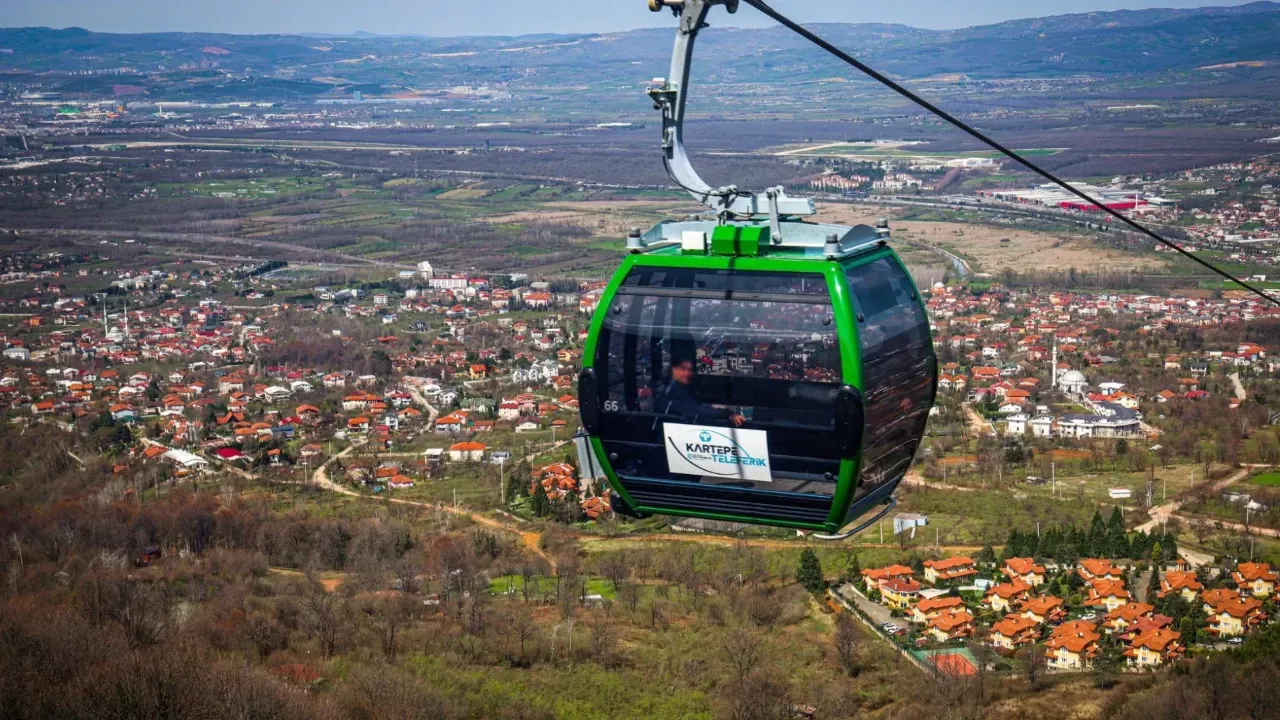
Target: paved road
878, 613
1140, 587
432, 412
1241, 395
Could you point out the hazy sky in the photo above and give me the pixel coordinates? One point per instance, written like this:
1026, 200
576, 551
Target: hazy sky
507, 17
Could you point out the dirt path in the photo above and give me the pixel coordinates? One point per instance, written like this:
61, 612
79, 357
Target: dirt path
1161, 514
531, 540
981, 426
915, 479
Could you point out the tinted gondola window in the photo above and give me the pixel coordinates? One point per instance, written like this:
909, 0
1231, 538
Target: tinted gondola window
764, 346
898, 369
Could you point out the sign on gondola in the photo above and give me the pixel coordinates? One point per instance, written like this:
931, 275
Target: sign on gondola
718, 452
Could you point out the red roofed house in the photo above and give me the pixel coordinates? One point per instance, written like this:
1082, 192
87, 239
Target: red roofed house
899, 593
1109, 594
1119, 620
1003, 597
951, 625
1093, 569
1154, 648
1045, 609
875, 576
1177, 581
949, 570
1026, 570
467, 452
929, 608
1013, 632
1073, 646
1236, 617
1255, 578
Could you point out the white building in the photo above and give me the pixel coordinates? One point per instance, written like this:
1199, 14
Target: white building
1110, 388
1017, 424
425, 270
448, 283
1073, 382
186, 459
1042, 427
1112, 421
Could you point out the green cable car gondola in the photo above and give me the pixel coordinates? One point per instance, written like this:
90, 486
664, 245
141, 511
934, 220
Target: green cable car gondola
788, 385
754, 368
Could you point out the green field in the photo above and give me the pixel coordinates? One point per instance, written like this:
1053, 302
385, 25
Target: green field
1268, 479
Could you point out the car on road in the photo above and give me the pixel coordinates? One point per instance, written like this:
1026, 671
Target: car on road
1089, 616
1236, 641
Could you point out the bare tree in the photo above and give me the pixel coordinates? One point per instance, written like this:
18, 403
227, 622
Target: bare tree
614, 567
629, 594
408, 570
519, 630
1033, 663
846, 643
324, 615
743, 649
603, 640
265, 634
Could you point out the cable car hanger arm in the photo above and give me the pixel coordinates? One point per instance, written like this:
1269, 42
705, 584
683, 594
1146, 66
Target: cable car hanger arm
671, 97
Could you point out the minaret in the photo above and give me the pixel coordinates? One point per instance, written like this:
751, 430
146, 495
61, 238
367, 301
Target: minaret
1053, 384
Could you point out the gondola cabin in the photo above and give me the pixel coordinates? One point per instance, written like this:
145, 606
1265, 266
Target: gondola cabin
734, 375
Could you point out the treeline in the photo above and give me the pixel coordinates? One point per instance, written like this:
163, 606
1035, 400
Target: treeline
1244, 683
1108, 540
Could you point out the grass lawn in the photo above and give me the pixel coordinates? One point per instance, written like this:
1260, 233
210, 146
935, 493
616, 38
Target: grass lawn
541, 585
1267, 479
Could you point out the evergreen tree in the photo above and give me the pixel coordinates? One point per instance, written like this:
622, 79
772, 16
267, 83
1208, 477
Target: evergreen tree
809, 572
1154, 587
1157, 555
1068, 554
540, 503
1097, 535
854, 571
987, 555
1119, 545
1010, 546
1187, 627
1116, 523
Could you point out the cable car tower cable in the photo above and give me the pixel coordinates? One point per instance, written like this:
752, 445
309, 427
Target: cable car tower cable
756, 367
1012, 155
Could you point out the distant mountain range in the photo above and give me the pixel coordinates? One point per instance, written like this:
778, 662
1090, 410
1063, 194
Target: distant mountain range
1100, 44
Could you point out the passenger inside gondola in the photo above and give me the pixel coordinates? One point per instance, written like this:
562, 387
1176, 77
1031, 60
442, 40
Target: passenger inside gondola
677, 398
